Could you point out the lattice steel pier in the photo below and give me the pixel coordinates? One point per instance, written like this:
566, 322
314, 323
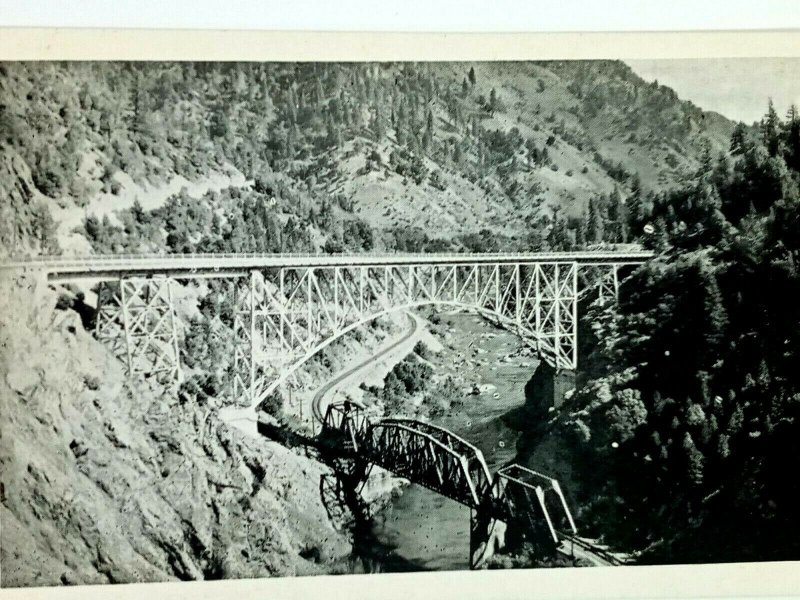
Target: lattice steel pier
136, 318
289, 307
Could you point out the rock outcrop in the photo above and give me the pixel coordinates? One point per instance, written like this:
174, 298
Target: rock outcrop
104, 480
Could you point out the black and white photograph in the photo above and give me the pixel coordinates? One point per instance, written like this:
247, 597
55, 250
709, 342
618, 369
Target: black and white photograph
269, 319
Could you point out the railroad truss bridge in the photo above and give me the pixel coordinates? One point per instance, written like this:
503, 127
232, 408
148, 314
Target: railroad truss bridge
289, 307
516, 505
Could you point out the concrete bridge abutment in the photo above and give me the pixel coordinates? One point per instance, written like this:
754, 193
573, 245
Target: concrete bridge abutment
547, 389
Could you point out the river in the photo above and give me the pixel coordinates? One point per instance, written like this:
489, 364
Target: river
419, 529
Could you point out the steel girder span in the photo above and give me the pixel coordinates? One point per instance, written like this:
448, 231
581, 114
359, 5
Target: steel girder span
284, 316
449, 465
420, 452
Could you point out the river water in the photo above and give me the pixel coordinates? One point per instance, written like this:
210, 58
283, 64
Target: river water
419, 529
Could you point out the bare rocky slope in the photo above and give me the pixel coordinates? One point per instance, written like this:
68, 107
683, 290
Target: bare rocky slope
106, 481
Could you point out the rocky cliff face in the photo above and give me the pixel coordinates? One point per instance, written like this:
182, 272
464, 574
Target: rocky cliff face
107, 481
24, 216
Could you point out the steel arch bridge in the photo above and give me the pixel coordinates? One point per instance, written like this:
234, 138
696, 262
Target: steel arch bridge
288, 307
286, 315
531, 503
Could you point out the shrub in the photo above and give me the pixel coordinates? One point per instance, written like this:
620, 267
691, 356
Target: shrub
421, 350
408, 164
414, 375
272, 404
91, 382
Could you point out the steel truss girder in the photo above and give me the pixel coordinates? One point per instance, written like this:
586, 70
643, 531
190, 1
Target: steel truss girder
528, 498
136, 319
530, 502
283, 316
599, 282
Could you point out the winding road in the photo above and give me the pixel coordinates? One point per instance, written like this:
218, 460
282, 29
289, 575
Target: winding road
572, 545
316, 402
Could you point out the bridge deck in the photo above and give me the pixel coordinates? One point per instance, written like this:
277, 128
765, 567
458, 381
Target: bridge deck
234, 265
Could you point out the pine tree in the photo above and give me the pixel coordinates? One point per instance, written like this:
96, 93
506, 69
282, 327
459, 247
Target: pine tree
472, 76
400, 134
427, 137
594, 223
291, 106
792, 138
580, 233
558, 238
635, 206
617, 219
291, 140
378, 126
493, 102
137, 212
319, 93
695, 461
706, 161
770, 127
738, 140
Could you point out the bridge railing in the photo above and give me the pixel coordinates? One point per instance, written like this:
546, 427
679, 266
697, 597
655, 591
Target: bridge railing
88, 260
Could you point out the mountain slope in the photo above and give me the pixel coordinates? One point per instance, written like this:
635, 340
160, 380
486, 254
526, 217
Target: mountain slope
105, 481
448, 148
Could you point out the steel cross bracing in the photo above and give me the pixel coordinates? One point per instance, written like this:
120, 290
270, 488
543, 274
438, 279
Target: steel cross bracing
136, 318
449, 465
286, 315
288, 307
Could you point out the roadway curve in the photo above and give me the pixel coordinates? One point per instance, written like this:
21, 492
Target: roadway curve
578, 548
316, 402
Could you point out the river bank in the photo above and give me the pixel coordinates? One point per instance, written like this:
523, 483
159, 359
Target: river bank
419, 529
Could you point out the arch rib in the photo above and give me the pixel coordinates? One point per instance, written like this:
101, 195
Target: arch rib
538, 301
527, 335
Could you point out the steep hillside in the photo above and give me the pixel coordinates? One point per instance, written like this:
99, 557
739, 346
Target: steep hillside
106, 482
414, 151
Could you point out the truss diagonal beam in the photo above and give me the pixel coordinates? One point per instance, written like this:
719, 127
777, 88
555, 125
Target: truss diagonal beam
136, 318
283, 315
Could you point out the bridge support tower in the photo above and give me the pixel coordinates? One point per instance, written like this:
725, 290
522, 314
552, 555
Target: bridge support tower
136, 318
487, 535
